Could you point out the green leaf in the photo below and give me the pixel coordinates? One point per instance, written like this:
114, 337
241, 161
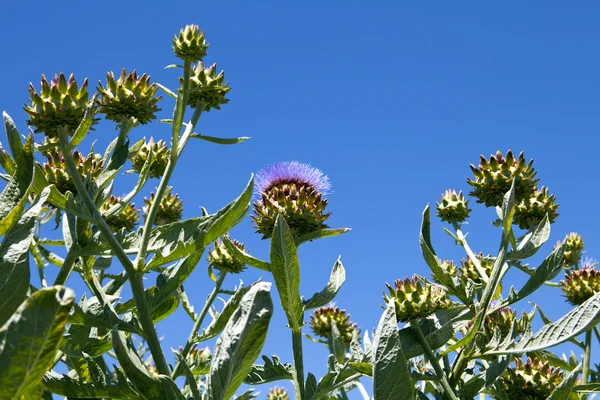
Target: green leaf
336, 279
219, 140
391, 372
564, 390
15, 195
323, 233
189, 376
272, 370
240, 343
78, 345
64, 385
571, 325
85, 124
484, 380
30, 339
588, 388
7, 162
14, 137
532, 242
429, 255
245, 257
14, 260
286, 272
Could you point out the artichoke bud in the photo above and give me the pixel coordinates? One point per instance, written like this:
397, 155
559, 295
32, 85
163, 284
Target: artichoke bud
322, 320
170, 209
55, 169
581, 284
220, 258
531, 380
198, 359
453, 208
60, 104
160, 158
190, 45
127, 218
277, 393
469, 271
448, 267
416, 298
493, 178
207, 89
130, 96
574, 245
531, 211
503, 320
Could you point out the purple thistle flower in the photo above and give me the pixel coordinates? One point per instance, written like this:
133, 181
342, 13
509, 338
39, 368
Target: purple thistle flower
291, 172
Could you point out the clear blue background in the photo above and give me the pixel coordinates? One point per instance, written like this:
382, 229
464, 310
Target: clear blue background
392, 100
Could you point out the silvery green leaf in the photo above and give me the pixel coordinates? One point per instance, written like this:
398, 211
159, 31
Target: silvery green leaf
244, 256
240, 343
165, 89
85, 124
219, 140
532, 241
571, 325
391, 372
14, 260
323, 233
64, 385
78, 345
587, 388
272, 370
310, 386
485, 379
286, 272
564, 390
336, 279
429, 254
96, 372
30, 338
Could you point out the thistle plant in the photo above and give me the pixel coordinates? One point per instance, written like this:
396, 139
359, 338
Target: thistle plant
461, 333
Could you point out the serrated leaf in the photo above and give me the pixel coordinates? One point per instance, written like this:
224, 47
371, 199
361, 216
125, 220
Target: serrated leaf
391, 372
30, 339
64, 385
14, 260
272, 370
532, 242
564, 390
336, 279
245, 257
218, 140
77, 346
240, 343
285, 268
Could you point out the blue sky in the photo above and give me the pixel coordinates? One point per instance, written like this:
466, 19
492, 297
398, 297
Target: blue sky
392, 101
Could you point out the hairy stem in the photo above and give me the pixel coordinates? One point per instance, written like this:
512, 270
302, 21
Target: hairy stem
433, 359
298, 362
199, 320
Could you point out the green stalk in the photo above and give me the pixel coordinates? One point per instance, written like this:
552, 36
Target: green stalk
199, 320
434, 362
587, 355
298, 362
463, 242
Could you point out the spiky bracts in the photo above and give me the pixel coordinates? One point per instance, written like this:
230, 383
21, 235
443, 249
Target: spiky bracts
55, 169
453, 207
60, 104
416, 298
531, 380
220, 258
170, 209
531, 211
493, 178
160, 158
469, 271
581, 284
130, 96
277, 393
323, 319
126, 219
190, 45
198, 360
500, 323
207, 88
574, 246
295, 190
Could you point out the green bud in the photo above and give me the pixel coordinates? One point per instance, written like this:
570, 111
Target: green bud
416, 298
60, 104
453, 208
207, 89
220, 258
170, 209
322, 320
532, 380
198, 360
581, 284
574, 245
532, 210
493, 178
161, 155
131, 96
468, 270
126, 219
55, 169
190, 45
277, 393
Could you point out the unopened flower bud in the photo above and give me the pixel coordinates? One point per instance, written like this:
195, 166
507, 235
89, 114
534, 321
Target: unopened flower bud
581, 284
160, 158
416, 298
190, 45
532, 380
170, 209
322, 320
127, 218
220, 258
453, 208
532, 210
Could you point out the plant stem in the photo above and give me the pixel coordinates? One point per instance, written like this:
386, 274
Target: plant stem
145, 316
587, 357
199, 320
433, 359
463, 242
298, 362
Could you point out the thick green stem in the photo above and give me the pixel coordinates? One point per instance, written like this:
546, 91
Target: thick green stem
433, 360
199, 320
587, 355
298, 362
145, 316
